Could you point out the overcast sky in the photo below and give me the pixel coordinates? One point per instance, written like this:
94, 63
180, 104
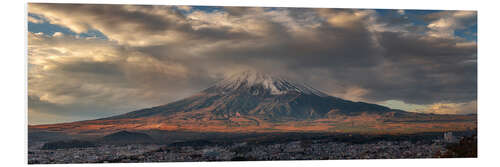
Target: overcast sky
92, 61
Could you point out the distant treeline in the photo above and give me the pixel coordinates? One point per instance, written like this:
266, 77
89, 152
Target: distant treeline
67, 144
274, 138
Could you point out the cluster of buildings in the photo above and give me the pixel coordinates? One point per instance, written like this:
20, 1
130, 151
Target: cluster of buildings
296, 151
449, 138
36, 155
292, 150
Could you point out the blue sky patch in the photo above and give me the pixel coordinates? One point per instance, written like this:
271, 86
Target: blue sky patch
50, 29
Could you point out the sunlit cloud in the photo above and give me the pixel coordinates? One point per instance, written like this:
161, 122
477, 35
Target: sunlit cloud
451, 108
448, 22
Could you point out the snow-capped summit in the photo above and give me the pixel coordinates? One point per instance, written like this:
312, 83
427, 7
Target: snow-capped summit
274, 84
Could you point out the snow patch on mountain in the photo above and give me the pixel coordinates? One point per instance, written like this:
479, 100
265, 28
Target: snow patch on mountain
277, 85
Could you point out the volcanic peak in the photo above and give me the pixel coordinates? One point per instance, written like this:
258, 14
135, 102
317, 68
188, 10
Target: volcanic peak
276, 84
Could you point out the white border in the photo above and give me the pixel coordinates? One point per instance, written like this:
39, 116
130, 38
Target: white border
13, 72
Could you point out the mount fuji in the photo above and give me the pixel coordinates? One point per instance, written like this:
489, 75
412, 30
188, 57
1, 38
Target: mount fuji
257, 102
263, 96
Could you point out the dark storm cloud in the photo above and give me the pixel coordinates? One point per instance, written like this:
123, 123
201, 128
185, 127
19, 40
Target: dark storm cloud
158, 54
327, 46
433, 69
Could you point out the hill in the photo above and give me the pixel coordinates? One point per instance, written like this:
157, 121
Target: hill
127, 137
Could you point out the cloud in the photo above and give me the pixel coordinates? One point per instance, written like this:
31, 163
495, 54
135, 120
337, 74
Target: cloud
57, 34
416, 66
446, 23
35, 20
82, 77
135, 25
452, 108
157, 54
401, 11
469, 107
118, 22
41, 112
185, 8
345, 18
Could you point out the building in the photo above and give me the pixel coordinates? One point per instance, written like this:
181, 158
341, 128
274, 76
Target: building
449, 138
